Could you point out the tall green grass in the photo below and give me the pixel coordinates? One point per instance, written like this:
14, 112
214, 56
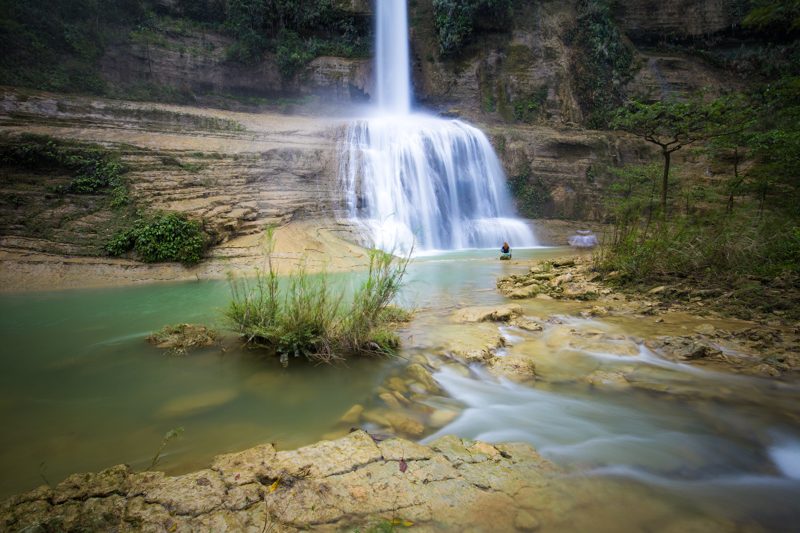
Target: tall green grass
307, 317
715, 248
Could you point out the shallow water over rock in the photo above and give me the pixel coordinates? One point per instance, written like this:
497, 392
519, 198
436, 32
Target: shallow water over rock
82, 390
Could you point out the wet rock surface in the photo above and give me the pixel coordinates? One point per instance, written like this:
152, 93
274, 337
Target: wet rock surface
558, 279
765, 345
182, 338
451, 484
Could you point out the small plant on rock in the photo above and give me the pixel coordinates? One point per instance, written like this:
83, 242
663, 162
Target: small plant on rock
162, 237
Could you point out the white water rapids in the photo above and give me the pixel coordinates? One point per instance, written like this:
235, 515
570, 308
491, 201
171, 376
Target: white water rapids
415, 180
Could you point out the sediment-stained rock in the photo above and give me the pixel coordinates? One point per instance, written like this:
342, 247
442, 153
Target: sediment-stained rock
501, 313
452, 484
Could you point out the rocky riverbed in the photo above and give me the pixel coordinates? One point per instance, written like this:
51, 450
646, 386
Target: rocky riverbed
560, 330
765, 345
356, 480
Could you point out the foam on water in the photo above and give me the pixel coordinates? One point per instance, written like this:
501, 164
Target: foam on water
786, 456
415, 181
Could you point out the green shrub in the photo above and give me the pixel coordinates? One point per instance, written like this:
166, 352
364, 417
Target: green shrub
531, 195
306, 318
296, 31
604, 63
292, 53
527, 108
93, 168
457, 20
160, 238
56, 44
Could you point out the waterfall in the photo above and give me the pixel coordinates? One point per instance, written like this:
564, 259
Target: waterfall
412, 179
393, 79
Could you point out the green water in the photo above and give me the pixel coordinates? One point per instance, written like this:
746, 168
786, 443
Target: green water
81, 390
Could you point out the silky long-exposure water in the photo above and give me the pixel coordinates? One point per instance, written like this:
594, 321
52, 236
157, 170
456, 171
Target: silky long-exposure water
82, 390
413, 180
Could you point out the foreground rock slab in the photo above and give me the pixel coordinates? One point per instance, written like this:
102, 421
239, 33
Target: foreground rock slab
453, 484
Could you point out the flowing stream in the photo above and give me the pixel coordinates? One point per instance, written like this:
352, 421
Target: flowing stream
81, 390
413, 180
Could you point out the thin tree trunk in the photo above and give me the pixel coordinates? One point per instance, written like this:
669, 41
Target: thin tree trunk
735, 185
665, 183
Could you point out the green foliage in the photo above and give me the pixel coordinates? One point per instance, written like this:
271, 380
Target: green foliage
774, 143
457, 20
528, 108
169, 436
93, 168
296, 31
306, 318
161, 237
292, 53
55, 44
631, 195
727, 230
713, 247
392, 314
603, 62
530, 194
673, 124
775, 14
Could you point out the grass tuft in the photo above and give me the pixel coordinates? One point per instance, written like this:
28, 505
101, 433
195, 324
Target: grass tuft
306, 317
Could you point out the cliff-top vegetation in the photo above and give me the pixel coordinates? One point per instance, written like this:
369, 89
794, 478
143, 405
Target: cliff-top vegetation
58, 44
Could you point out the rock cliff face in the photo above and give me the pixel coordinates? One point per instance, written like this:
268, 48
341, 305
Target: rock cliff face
237, 172
241, 171
534, 62
197, 67
652, 20
500, 77
564, 170
503, 69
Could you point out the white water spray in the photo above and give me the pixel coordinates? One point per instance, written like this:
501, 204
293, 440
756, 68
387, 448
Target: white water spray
417, 180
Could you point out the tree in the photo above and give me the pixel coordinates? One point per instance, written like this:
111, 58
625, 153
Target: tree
739, 116
784, 14
775, 143
671, 125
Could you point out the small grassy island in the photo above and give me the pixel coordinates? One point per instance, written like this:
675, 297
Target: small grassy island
387, 265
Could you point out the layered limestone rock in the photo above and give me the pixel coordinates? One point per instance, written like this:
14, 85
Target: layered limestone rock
197, 66
453, 484
236, 172
653, 21
491, 77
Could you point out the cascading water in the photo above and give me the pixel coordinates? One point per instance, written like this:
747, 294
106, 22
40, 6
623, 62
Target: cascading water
416, 180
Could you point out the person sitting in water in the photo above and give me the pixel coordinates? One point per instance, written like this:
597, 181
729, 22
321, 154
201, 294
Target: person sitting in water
505, 251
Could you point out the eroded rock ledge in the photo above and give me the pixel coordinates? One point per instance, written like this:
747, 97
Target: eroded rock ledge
354, 481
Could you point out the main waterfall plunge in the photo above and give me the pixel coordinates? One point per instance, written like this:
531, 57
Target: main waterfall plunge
414, 180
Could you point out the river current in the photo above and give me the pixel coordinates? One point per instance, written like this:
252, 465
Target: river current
82, 391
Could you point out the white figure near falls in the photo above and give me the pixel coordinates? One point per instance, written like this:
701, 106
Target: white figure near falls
416, 180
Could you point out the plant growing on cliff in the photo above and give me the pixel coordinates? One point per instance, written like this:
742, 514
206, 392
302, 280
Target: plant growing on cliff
306, 317
296, 31
161, 237
530, 194
457, 20
93, 168
602, 64
779, 14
